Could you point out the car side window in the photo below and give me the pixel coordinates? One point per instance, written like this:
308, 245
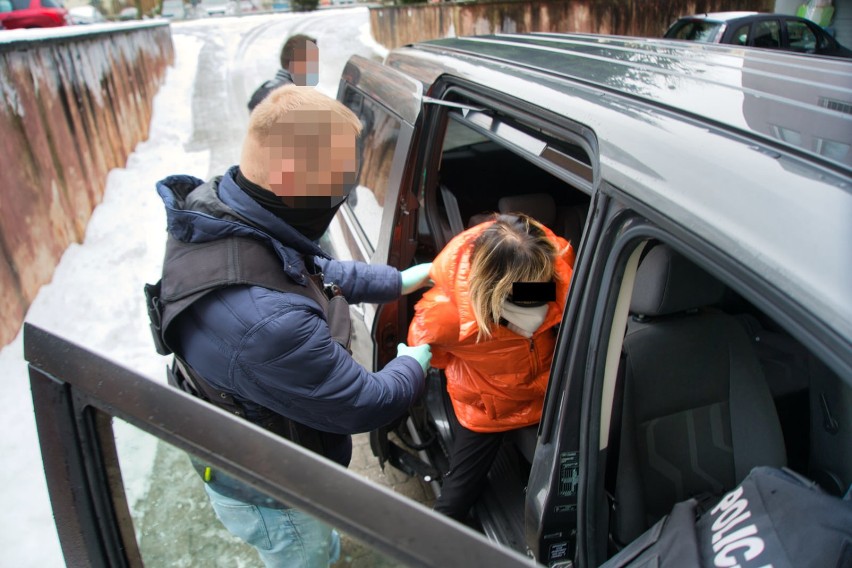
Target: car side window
801, 38
696, 369
767, 33
20, 4
5, 6
376, 145
493, 164
741, 36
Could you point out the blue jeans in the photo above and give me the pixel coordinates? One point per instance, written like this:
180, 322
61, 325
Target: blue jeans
284, 538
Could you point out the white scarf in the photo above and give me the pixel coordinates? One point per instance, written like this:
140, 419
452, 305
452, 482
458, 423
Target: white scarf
524, 320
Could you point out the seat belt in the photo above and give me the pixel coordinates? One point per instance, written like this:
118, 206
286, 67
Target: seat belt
453, 213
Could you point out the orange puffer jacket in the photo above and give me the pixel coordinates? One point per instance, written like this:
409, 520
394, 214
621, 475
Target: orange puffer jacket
497, 384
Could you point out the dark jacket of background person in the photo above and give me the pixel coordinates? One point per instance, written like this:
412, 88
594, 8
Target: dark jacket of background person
282, 77
273, 349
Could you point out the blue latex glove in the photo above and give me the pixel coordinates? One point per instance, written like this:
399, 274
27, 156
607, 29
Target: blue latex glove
415, 277
421, 353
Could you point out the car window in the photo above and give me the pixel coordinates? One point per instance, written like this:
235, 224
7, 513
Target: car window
695, 30
767, 33
376, 146
20, 4
740, 36
801, 37
672, 401
489, 163
163, 487
125, 493
51, 4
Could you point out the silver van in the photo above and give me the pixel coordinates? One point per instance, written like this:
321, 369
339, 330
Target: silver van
707, 190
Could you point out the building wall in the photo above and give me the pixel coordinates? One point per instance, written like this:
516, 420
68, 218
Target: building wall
73, 107
393, 26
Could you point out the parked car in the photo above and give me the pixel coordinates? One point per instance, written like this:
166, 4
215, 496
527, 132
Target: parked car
240, 7
15, 14
128, 13
707, 330
173, 10
213, 7
753, 29
81, 15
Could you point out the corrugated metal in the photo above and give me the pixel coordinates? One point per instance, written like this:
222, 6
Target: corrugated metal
73, 107
393, 26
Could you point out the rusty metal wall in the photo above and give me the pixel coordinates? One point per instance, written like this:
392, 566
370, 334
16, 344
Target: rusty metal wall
393, 26
73, 107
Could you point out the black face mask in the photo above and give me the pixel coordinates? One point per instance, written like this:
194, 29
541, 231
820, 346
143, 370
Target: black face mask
310, 218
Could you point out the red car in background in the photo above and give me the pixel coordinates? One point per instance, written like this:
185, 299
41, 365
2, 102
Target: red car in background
16, 14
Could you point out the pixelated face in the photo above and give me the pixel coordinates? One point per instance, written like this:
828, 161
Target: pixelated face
312, 160
304, 66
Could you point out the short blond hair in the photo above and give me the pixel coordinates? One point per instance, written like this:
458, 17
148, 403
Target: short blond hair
300, 120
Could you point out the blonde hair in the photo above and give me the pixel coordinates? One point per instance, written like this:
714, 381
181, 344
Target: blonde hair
294, 121
515, 248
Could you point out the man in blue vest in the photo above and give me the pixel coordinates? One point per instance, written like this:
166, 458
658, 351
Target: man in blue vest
247, 304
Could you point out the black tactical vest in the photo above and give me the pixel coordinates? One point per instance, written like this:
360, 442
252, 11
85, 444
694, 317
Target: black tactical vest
191, 271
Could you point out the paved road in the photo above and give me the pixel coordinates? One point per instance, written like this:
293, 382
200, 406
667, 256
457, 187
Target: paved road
175, 525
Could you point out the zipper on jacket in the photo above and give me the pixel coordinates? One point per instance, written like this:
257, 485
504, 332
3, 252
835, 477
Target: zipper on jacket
534, 354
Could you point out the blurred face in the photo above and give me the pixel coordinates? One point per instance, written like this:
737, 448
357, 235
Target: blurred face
312, 163
304, 66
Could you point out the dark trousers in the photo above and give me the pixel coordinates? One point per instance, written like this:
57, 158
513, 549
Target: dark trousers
471, 456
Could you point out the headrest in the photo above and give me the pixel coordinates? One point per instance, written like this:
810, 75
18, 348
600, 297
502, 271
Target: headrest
667, 283
539, 206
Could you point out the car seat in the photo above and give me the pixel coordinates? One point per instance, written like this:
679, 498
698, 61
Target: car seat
697, 413
566, 222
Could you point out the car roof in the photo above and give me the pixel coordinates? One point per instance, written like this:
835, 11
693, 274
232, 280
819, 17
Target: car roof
733, 144
721, 16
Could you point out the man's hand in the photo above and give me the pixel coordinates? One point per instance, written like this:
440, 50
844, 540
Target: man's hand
415, 277
421, 353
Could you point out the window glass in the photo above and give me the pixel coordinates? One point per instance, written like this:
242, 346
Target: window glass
376, 144
693, 409
696, 31
740, 36
832, 149
51, 3
767, 33
801, 37
174, 523
20, 4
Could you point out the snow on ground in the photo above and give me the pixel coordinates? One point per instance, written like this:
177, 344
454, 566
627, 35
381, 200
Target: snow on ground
94, 299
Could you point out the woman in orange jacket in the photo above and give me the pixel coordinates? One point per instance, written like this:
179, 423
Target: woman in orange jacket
496, 349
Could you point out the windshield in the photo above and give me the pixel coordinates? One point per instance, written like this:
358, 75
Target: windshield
695, 30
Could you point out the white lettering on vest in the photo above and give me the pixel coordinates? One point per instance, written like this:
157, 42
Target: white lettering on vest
753, 546
731, 545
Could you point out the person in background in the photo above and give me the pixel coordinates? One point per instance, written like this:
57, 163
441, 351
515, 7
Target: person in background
491, 319
256, 312
299, 66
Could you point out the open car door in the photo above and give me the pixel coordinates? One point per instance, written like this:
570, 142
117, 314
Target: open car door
377, 224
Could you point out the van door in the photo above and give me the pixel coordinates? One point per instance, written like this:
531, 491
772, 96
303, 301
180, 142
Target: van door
116, 448
374, 224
